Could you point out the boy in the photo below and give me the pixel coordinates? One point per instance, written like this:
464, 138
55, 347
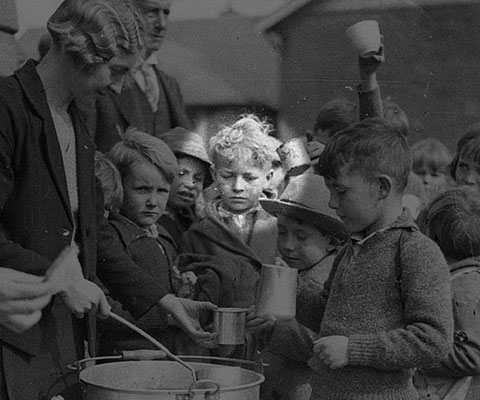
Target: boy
235, 228
147, 169
193, 176
385, 308
309, 237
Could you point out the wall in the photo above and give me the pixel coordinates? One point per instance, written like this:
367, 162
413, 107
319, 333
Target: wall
432, 68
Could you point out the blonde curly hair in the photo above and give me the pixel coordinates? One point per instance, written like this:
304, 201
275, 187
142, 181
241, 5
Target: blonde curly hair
247, 138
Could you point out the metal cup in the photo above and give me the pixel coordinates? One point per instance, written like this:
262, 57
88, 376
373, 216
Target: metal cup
229, 324
277, 292
294, 157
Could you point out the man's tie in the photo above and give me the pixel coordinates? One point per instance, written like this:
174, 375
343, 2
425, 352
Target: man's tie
151, 85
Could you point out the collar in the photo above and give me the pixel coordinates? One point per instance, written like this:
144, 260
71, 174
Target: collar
151, 231
224, 213
404, 221
153, 58
467, 262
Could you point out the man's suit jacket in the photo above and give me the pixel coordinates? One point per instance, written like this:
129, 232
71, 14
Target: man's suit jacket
131, 108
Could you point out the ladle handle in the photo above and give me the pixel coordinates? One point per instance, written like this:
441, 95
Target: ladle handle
153, 341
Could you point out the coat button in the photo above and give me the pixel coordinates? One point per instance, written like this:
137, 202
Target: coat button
66, 232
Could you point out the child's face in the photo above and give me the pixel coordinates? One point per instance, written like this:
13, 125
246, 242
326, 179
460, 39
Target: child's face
240, 183
356, 202
145, 194
468, 173
188, 184
301, 245
431, 179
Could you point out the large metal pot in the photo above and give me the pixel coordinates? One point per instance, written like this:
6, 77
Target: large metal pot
162, 380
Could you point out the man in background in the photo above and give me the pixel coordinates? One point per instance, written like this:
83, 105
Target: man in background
150, 100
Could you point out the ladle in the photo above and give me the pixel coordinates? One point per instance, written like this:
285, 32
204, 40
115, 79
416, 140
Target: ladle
155, 342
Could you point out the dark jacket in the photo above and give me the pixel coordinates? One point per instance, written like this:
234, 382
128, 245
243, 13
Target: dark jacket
131, 108
36, 223
228, 269
155, 256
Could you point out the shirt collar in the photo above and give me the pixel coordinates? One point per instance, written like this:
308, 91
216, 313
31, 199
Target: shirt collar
404, 220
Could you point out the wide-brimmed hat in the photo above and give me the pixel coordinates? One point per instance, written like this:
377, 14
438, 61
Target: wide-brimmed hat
184, 142
306, 198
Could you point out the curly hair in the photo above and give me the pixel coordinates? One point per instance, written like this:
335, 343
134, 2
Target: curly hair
452, 220
94, 31
245, 139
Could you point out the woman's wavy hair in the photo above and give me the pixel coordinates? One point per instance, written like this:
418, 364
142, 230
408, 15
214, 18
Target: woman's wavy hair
94, 31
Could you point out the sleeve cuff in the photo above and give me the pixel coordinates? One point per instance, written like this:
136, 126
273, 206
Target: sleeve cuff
361, 350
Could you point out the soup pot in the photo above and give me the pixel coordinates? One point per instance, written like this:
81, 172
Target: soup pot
169, 380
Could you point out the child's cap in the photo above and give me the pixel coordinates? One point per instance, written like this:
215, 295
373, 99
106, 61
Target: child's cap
306, 198
184, 142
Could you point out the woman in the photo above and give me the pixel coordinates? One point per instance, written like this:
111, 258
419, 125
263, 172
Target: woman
47, 194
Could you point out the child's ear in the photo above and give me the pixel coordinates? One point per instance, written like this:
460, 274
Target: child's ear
385, 186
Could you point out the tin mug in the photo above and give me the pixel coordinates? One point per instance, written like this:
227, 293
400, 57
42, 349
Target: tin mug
294, 157
277, 292
229, 325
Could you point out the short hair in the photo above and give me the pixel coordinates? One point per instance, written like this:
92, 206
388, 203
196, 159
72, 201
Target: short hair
369, 147
468, 146
395, 115
138, 147
431, 153
111, 181
452, 220
94, 31
244, 138
336, 115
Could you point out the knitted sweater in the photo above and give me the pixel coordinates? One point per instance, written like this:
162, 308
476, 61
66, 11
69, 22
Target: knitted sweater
391, 326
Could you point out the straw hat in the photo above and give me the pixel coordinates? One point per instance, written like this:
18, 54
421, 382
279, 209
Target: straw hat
183, 142
306, 198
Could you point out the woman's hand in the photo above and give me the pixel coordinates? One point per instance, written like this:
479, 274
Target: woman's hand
22, 298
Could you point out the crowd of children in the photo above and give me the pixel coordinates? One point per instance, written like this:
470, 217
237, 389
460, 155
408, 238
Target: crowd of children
385, 238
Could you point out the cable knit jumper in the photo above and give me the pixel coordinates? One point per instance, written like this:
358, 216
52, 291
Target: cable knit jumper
392, 325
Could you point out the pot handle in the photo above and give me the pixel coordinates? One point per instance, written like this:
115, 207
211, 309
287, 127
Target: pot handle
130, 355
205, 384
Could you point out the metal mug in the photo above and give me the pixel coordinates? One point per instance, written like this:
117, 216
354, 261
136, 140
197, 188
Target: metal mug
277, 292
294, 157
229, 324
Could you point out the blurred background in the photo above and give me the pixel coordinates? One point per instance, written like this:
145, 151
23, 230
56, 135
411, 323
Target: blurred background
283, 59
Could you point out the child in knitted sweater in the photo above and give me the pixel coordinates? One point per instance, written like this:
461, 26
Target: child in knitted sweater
385, 308
453, 221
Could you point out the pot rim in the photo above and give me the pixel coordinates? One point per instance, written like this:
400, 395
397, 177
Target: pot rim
82, 379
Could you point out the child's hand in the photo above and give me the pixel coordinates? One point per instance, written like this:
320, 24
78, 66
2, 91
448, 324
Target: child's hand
256, 324
368, 66
332, 350
280, 262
